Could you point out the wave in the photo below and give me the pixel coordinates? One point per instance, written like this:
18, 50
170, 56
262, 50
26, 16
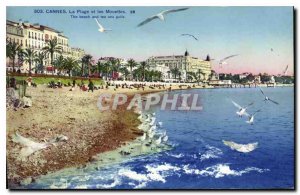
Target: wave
221, 170
153, 172
106, 186
212, 152
133, 175
245, 148
159, 172
180, 155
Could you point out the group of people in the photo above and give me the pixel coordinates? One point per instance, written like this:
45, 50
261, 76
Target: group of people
91, 86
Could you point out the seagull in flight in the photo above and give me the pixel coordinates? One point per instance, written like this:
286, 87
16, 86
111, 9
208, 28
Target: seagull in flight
30, 147
251, 117
285, 70
241, 111
190, 36
267, 98
101, 28
223, 62
160, 16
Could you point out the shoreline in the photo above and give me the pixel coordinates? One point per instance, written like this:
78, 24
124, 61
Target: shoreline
73, 114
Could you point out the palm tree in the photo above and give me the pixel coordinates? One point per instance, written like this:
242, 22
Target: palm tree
39, 59
29, 56
113, 65
138, 73
100, 67
191, 76
157, 75
59, 63
86, 61
70, 64
12, 49
107, 68
52, 48
198, 76
144, 67
175, 72
131, 64
124, 71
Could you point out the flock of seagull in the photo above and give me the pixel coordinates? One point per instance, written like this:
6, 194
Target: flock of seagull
161, 16
149, 126
242, 111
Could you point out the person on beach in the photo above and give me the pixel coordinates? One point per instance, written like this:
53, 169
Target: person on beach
74, 83
59, 84
91, 85
29, 80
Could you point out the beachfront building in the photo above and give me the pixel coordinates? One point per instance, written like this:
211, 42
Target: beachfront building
217, 82
165, 70
184, 63
35, 36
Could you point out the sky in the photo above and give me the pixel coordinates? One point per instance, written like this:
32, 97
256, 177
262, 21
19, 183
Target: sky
250, 32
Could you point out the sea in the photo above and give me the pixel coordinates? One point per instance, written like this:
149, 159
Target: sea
198, 158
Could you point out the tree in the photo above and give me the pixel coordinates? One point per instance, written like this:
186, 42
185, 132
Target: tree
199, 76
70, 64
29, 56
107, 68
86, 61
264, 77
175, 72
131, 64
144, 67
138, 73
191, 76
113, 63
52, 48
12, 49
59, 63
100, 68
124, 71
39, 59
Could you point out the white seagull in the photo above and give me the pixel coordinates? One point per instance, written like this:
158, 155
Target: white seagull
241, 111
101, 28
267, 98
251, 117
143, 137
158, 141
165, 137
160, 16
31, 147
223, 62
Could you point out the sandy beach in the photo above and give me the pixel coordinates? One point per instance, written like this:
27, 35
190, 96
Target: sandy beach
73, 114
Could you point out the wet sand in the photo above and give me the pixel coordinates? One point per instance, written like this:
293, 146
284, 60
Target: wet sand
75, 114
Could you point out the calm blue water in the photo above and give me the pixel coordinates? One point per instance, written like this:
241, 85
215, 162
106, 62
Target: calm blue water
199, 159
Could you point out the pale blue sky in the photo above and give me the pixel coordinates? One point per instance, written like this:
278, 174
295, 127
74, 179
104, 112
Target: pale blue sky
222, 31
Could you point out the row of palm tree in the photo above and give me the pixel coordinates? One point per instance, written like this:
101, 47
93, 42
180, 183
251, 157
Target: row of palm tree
29, 55
68, 65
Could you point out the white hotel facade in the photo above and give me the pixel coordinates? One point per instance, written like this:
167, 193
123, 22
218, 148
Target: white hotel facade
185, 63
35, 36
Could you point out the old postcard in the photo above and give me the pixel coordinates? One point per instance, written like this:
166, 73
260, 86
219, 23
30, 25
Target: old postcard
175, 97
